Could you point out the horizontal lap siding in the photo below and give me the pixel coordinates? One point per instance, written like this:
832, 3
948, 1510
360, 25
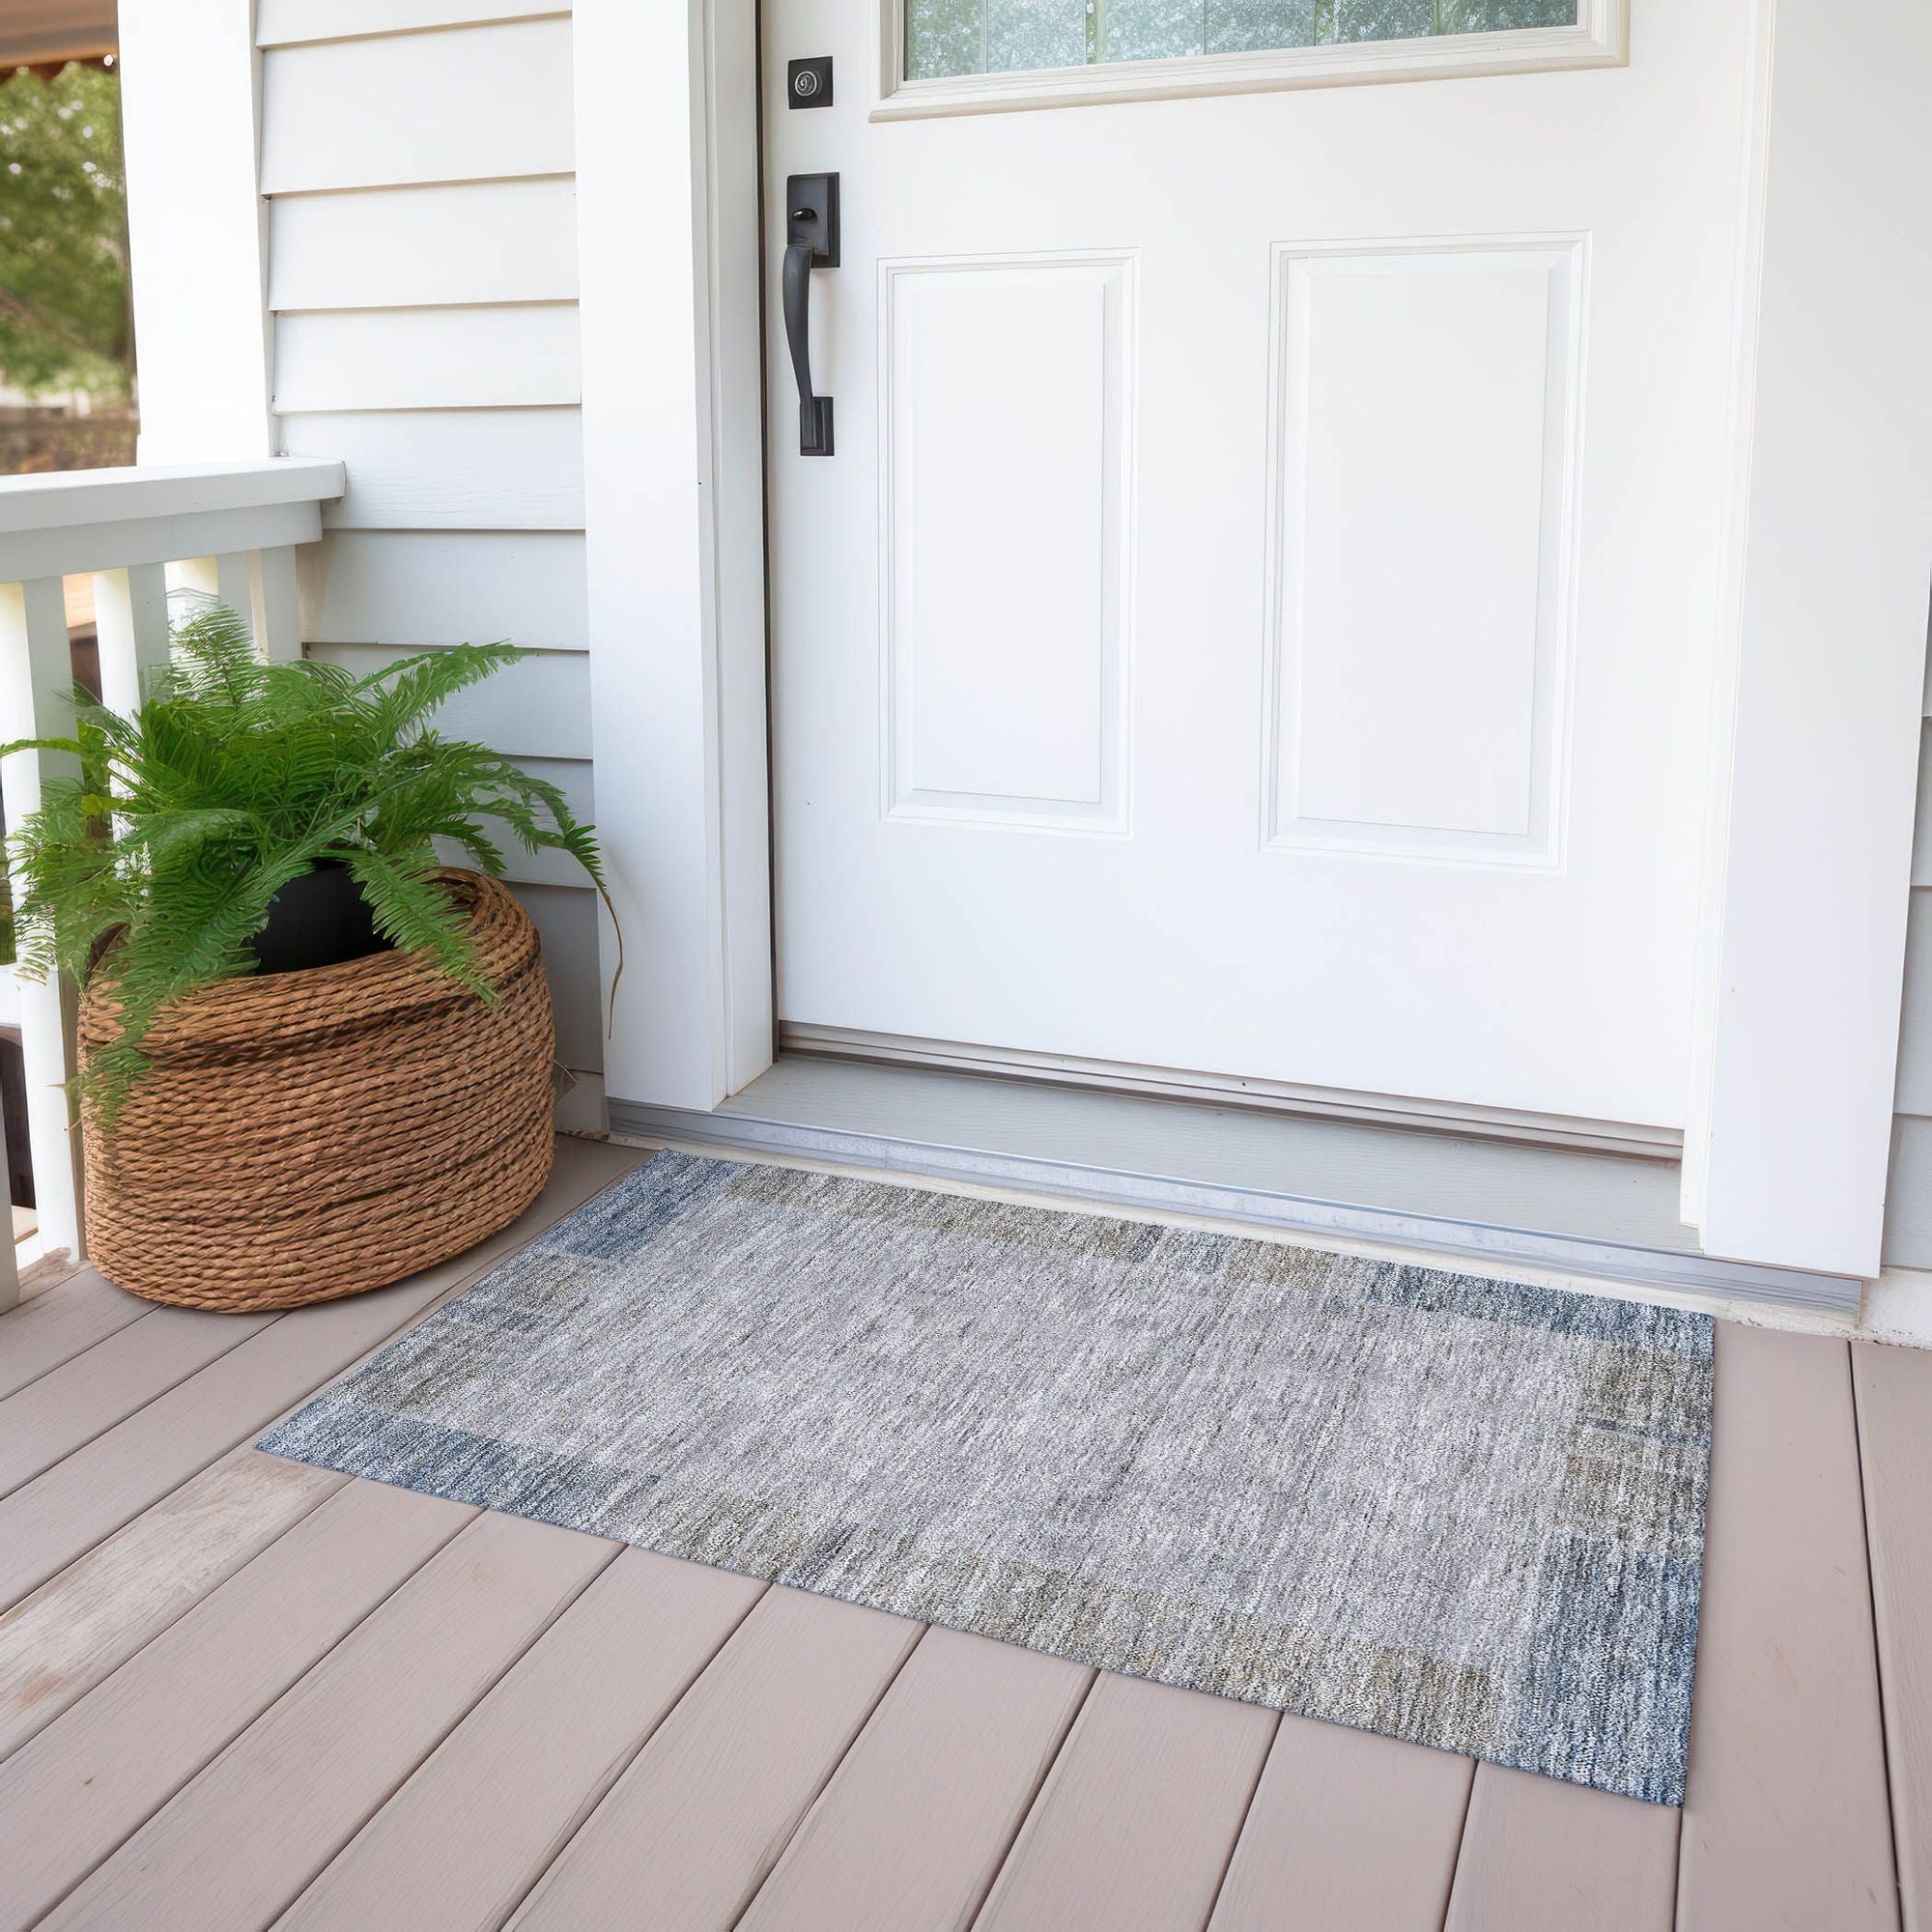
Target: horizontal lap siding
467, 103
417, 358
1908, 1207
409, 247
418, 157
416, 587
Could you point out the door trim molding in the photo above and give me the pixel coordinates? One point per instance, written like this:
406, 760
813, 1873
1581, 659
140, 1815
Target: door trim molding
1600, 38
1817, 719
674, 531
1280, 1096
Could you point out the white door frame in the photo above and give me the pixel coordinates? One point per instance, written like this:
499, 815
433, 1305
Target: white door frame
1808, 871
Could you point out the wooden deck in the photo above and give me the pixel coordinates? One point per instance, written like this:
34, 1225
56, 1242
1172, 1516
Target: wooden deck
237, 1692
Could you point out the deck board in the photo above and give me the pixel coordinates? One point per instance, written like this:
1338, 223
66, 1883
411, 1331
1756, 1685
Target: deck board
71, 1633
467, 1837
1787, 1821
59, 1514
1348, 1828
1136, 1824
253, 1690
1539, 1854
88, 1394
1894, 1402
89, 1782
911, 1830
691, 1830
58, 1324
240, 1841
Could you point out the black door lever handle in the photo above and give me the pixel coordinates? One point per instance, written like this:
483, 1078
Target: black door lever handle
812, 242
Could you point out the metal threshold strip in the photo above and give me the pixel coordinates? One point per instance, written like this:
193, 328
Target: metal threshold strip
1608, 1216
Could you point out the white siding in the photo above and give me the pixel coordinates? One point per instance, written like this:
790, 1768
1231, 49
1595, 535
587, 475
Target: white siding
1908, 1204
538, 710
469, 104
415, 358
282, 22
463, 470
422, 279
447, 587
397, 247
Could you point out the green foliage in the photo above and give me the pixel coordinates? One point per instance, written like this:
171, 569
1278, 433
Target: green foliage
66, 320
236, 777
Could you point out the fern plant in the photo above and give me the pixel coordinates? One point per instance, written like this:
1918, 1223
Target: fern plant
233, 779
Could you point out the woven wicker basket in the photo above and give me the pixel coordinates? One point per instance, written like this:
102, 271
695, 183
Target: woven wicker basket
309, 1135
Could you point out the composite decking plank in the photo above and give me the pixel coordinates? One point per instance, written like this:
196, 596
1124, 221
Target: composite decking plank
1894, 1403
469, 1833
70, 1634
914, 1825
59, 1323
89, 1780
1786, 1820
240, 1841
1135, 1823
1538, 1854
89, 1393
689, 1831
62, 1513
1348, 1828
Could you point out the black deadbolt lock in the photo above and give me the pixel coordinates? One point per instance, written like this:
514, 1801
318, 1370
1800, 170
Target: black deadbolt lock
808, 82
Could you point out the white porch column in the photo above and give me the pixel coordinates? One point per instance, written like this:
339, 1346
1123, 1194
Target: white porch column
190, 107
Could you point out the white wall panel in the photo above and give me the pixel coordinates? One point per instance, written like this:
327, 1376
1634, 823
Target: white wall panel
395, 247
1005, 505
452, 468
476, 103
427, 359
1424, 446
538, 709
446, 587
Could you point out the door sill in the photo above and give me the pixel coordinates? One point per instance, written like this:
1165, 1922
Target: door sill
1227, 1090
1610, 1216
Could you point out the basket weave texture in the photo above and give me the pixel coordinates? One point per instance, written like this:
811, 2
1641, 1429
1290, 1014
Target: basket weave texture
307, 1135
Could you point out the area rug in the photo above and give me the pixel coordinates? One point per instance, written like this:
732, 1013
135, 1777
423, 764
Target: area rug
1462, 1512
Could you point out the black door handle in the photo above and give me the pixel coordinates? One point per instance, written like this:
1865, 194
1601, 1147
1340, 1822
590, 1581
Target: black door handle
812, 242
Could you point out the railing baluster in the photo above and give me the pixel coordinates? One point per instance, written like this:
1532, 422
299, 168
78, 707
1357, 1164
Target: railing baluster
36, 685
277, 614
131, 615
9, 1261
235, 584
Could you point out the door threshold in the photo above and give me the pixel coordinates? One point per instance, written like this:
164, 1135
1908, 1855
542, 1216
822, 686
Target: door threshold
1221, 1090
1606, 1215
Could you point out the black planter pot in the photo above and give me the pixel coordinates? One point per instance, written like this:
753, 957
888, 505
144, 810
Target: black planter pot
319, 920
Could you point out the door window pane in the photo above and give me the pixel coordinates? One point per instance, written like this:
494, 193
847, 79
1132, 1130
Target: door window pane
948, 37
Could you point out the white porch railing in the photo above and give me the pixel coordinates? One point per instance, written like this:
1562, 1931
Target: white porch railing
228, 529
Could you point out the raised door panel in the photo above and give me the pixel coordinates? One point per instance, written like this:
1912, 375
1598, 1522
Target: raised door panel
1423, 473
1006, 446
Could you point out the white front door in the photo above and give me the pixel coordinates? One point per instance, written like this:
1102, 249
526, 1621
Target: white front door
1257, 618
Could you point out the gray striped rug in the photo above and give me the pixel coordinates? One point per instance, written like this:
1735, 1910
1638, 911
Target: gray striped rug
1461, 1511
